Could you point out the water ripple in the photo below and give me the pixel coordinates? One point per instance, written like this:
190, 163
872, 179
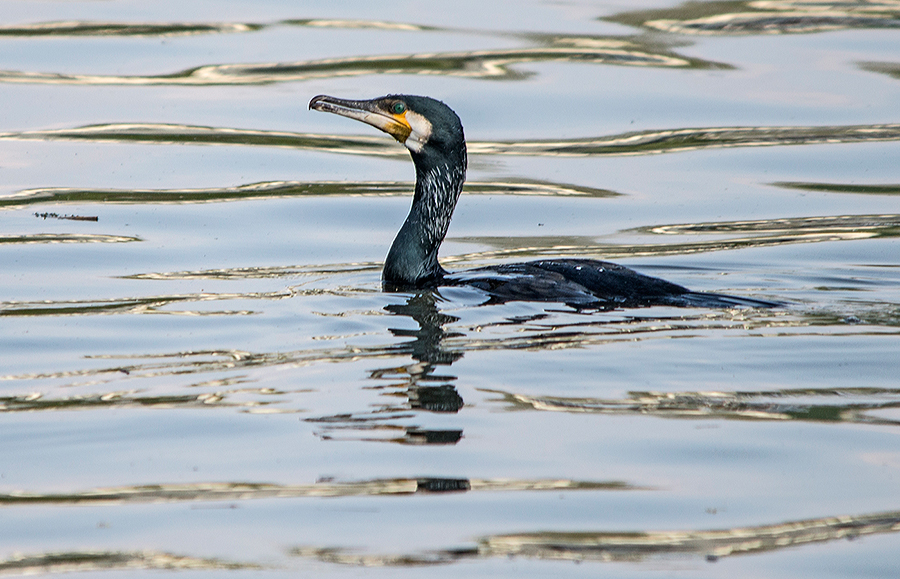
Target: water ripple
32, 238
593, 546
774, 23
888, 68
84, 28
484, 64
72, 561
766, 17
632, 143
277, 189
631, 546
139, 305
242, 491
857, 188
765, 233
811, 405
163, 29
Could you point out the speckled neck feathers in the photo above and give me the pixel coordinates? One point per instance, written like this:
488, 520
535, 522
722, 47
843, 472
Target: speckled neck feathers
413, 257
440, 173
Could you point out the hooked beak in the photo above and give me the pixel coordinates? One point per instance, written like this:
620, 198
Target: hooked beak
372, 112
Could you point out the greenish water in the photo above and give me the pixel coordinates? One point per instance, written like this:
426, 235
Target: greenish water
200, 371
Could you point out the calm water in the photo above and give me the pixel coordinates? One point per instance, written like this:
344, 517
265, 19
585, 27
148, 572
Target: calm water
200, 371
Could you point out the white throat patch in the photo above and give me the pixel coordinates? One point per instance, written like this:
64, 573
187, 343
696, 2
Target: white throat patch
421, 131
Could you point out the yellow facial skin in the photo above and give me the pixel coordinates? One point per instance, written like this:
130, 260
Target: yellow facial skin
408, 127
396, 126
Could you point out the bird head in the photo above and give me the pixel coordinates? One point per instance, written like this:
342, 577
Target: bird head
427, 127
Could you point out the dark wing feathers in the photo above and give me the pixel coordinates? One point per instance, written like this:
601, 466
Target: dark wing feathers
587, 283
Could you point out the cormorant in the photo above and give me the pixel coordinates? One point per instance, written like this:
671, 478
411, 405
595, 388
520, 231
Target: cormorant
434, 136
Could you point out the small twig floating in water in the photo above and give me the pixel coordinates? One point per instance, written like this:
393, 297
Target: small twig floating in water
69, 217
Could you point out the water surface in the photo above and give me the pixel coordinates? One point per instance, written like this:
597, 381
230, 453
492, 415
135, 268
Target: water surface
200, 370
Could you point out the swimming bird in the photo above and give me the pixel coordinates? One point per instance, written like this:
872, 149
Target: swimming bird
433, 134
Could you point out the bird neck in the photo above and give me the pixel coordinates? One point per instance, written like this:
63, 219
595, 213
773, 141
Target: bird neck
413, 257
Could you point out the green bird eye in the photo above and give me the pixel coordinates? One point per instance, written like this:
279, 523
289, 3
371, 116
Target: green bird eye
398, 108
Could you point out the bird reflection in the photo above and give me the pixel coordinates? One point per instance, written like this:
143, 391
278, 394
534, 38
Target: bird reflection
427, 347
423, 388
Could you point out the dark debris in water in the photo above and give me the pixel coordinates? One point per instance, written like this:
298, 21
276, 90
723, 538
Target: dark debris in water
67, 217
